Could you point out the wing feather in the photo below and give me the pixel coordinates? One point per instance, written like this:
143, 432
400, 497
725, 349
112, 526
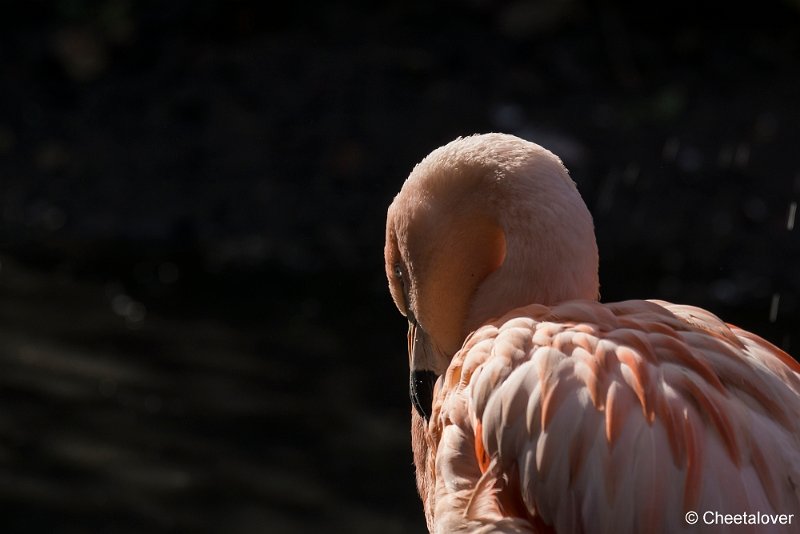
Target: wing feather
614, 418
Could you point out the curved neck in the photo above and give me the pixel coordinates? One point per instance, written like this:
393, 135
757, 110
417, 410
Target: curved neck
551, 253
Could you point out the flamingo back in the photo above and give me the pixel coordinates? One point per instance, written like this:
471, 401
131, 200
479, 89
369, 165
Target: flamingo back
617, 418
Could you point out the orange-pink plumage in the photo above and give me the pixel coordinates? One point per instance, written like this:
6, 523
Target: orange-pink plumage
553, 412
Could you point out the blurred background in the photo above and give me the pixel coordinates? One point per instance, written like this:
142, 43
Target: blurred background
195, 331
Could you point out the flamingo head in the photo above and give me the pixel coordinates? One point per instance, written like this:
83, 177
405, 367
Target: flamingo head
482, 225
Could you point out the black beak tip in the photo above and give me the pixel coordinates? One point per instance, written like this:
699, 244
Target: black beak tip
421, 392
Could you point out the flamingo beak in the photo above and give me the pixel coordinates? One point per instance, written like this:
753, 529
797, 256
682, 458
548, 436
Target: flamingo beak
422, 379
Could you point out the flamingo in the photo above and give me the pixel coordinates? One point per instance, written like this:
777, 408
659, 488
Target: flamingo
537, 408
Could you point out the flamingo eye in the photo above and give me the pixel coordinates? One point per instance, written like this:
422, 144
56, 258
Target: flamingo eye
399, 288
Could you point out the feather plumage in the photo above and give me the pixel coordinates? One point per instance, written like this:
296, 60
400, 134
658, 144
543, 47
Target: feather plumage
616, 425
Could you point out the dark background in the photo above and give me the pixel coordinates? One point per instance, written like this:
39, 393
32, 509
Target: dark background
195, 333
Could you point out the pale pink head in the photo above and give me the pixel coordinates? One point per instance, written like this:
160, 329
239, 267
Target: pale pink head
482, 225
